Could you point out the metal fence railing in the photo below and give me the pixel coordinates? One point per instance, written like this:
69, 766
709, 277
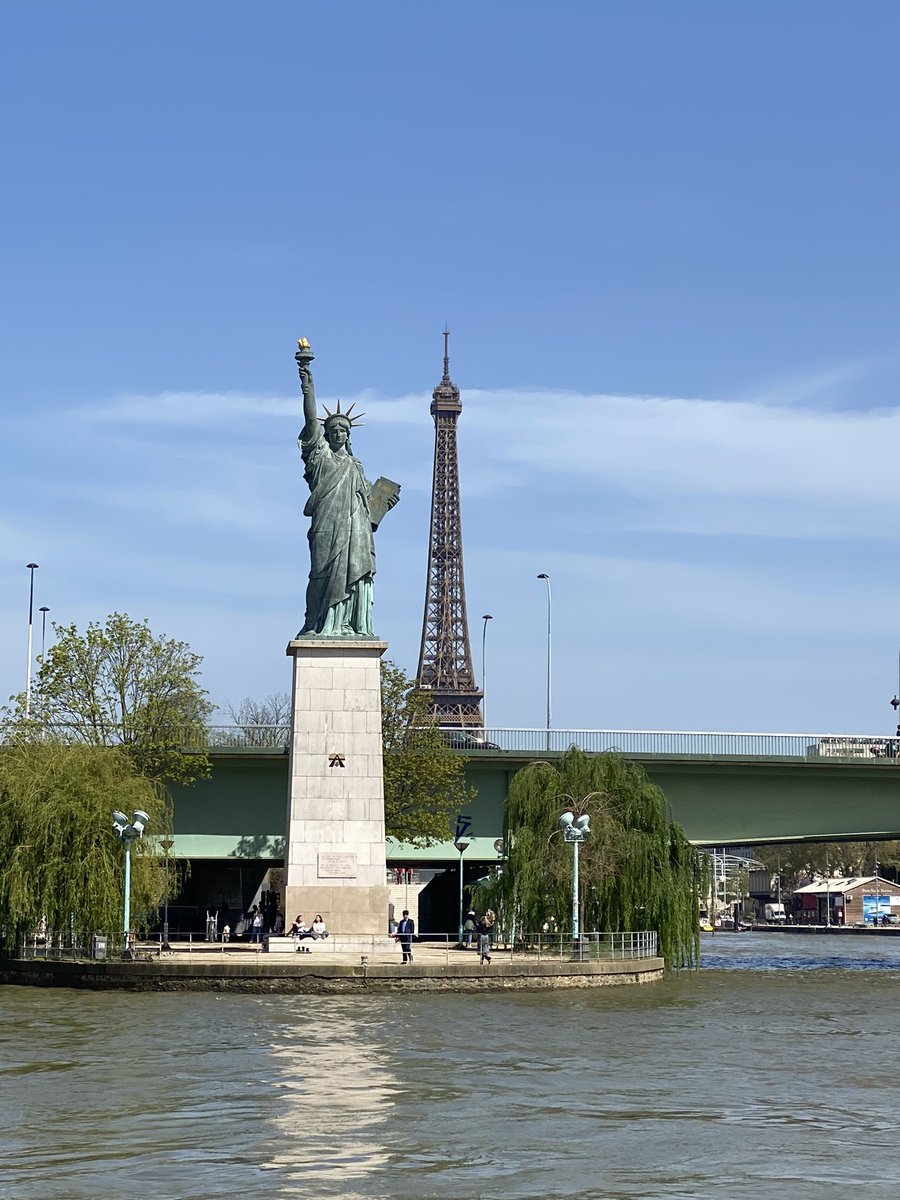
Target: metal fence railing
540, 947
79, 946
590, 947
636, 742
623, 741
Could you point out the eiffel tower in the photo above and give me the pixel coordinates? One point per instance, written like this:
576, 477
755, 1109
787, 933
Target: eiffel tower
445, 659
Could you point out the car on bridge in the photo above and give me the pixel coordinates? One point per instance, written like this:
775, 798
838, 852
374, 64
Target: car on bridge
459, 739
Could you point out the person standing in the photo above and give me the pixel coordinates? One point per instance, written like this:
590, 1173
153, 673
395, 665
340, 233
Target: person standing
484, 928
469, 929
404, 935
257, 925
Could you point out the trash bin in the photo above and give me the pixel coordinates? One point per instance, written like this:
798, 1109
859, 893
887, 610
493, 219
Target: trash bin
98, 946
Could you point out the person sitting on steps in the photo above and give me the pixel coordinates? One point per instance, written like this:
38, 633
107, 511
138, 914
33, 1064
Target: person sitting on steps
299, 931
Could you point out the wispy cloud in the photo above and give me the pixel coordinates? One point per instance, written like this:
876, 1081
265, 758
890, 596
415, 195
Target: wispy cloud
186, 507
200, 409
184, 408
693, 464
672, 448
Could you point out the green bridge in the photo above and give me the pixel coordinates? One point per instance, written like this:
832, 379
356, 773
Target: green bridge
723, 788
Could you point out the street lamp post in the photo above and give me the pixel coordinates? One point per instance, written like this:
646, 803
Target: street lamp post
127, 833
575, 830
543, 575
31, 567
461, 844
487, 617
167, 843
43, 610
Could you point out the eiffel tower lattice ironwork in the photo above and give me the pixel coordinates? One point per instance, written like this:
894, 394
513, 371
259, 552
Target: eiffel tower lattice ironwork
445, 659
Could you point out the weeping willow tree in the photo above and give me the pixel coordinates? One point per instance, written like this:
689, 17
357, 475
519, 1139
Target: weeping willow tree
60, 863
637, 869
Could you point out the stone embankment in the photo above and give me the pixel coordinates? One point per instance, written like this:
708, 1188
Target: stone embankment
434, 970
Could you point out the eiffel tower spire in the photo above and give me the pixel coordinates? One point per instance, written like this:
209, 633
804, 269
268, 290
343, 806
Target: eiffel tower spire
445, 659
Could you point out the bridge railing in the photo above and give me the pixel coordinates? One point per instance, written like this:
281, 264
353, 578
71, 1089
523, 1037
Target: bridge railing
675, 742
624, 741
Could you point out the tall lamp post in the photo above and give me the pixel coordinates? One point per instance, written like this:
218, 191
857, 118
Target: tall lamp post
43, 610
543, 575
127, 832
461, 844
31, 567
167, 843
487, 617
575, 830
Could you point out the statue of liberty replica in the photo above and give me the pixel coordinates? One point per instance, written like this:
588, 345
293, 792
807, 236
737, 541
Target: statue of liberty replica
344, 511
334, 852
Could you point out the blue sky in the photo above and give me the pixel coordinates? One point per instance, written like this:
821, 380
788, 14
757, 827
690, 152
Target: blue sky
664, 238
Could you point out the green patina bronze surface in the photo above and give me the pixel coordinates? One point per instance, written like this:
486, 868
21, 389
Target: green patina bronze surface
344, 510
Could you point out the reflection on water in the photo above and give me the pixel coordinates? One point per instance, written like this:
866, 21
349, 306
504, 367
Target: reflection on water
769, 1074
333, 1090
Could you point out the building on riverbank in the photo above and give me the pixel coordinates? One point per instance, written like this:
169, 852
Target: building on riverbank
848, 900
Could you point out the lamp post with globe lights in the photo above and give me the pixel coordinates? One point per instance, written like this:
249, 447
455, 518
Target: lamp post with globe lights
127, 832
575, 830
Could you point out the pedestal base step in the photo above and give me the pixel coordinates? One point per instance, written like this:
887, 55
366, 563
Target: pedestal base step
334, 944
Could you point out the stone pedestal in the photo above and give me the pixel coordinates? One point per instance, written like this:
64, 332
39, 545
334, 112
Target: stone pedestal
334, 846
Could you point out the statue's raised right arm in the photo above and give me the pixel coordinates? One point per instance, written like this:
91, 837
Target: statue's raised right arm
309, 397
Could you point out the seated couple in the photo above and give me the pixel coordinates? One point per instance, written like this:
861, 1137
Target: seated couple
301, 930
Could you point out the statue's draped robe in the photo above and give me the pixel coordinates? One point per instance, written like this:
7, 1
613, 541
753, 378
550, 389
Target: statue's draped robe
341, 545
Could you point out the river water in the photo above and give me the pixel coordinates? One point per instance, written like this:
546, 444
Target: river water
769, 1074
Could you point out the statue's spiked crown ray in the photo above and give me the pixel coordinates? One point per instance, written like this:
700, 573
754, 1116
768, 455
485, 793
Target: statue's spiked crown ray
353, 421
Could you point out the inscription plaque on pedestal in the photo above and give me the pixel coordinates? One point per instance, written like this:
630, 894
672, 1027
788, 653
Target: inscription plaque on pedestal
337, 865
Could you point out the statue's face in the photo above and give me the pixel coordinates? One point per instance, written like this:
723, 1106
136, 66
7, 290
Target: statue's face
337, 434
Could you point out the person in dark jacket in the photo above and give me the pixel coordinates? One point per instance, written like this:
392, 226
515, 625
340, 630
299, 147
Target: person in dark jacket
404, 935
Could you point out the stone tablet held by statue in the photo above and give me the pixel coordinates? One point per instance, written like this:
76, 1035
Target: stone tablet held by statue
344, 509
383, 496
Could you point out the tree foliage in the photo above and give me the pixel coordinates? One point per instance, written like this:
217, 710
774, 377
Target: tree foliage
424, 780
60, 862
637, 869
800, 862
119, 685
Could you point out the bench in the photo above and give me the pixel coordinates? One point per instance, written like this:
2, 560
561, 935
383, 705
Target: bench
288, 945
282, 945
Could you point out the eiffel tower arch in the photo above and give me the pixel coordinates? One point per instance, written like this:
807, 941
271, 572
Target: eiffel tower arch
445, 658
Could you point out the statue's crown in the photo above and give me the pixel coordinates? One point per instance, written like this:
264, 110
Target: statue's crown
345, 416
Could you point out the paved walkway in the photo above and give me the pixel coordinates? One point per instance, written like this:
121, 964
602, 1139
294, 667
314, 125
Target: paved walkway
330, 951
